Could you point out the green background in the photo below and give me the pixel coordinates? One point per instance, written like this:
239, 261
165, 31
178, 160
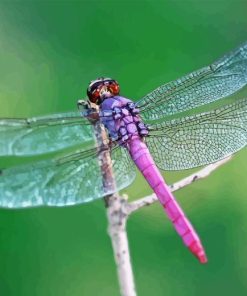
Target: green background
49, 51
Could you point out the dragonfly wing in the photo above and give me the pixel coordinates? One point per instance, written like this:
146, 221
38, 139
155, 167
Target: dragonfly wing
43, 134
199, 139
124, 169
69, 180
220, 79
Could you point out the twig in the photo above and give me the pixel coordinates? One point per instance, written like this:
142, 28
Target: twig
203, 173
118, 210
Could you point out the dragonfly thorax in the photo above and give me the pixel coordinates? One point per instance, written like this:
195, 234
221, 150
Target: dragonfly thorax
124, 121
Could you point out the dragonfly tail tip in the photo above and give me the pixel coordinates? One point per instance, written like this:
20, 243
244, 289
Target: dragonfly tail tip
202, 258
197, 249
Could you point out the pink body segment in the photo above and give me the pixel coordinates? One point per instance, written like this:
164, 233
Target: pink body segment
145, 163
125, 125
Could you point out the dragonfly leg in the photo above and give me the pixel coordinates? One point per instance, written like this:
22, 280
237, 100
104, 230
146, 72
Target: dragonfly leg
88, 111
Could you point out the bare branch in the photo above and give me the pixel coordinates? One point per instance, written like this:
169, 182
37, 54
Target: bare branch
117, 217
118, 211
203, 173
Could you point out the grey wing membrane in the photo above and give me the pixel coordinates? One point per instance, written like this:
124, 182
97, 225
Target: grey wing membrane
199, 139
64, 181
43, 134
220, 79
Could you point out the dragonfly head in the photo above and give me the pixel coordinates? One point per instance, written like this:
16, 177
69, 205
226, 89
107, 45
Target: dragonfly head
102, 88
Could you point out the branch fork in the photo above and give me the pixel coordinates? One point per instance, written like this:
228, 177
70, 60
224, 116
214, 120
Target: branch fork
119, 209
118, 212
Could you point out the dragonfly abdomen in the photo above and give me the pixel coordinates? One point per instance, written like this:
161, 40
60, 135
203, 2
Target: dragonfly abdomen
145, 163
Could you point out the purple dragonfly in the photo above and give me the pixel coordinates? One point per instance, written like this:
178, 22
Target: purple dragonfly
169, 144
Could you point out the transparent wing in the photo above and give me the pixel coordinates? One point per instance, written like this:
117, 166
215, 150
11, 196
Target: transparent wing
43, 134
200, 139
220, 79
65, 181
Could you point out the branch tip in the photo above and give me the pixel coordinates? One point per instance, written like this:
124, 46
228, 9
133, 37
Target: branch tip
203, 173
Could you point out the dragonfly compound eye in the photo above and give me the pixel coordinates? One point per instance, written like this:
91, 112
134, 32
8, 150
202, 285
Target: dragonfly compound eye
113, 87
93, 90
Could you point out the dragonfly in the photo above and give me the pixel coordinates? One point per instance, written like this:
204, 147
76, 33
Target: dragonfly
151, 134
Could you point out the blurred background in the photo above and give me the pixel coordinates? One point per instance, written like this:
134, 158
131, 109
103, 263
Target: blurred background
49, 51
